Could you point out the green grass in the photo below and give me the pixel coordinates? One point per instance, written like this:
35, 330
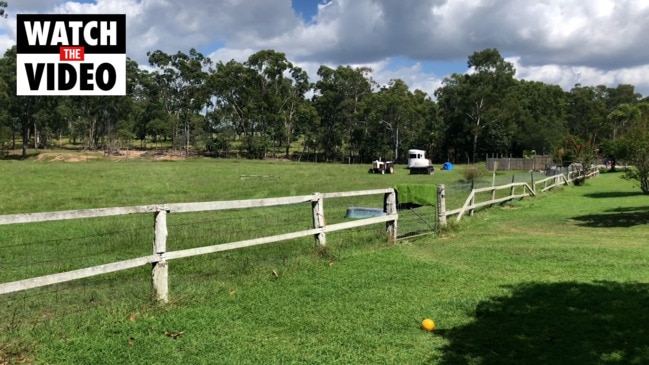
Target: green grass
557, 279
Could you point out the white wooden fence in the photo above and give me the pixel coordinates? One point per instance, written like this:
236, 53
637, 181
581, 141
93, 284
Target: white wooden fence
160, 255
524, 190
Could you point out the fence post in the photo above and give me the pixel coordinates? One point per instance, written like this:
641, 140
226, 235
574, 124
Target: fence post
390, 202
533, 185
160, 269
318, 218
512, 189
441, 205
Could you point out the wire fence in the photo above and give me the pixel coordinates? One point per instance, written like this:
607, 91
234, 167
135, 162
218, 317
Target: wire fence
35, 249
416, 221
457, 193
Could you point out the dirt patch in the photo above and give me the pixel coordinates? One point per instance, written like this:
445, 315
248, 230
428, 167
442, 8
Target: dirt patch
68, 156
84, 156
164, 155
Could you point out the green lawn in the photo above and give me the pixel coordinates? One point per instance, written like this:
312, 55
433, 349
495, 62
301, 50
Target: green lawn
557, 279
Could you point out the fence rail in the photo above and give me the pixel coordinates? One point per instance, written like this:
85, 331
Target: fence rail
160, 255
470, 203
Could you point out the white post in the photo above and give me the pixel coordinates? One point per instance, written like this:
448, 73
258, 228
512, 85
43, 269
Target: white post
160, 269
318, 218
390, 202
441, 205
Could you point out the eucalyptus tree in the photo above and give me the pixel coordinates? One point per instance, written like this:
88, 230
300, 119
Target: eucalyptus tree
279, 88
539, 112
150, 118
395, 117
635, 148
471, 102
295, 108
427, 130
338, 96
20, 109
375, 138
628, 122
66, 114
452, 108
621, 117
181, 79
140, 90
231, 85
621, 94
587, 112
491, 82
307, 125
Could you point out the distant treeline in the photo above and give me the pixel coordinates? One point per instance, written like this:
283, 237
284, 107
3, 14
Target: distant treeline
268, 105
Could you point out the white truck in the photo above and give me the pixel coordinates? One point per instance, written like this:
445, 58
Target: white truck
418, 163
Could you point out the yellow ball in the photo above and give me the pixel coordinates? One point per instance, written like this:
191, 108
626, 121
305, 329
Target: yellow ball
428, 324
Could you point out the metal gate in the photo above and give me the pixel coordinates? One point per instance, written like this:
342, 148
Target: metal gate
416, 220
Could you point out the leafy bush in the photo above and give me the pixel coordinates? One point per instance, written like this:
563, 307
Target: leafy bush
474, 172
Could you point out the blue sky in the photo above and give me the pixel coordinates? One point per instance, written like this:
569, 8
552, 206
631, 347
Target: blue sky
307, 8
559, 42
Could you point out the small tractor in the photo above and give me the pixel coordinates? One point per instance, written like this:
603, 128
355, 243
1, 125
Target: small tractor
418, 163
380, 167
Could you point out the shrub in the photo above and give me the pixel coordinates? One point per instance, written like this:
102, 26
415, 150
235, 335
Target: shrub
474, 172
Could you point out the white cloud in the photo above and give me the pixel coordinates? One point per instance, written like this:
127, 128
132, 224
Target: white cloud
227, 54
550, 39
413, 76
568, 76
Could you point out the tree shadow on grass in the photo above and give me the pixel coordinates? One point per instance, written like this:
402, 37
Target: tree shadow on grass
621, 217
614, 194
560, 323
13, 157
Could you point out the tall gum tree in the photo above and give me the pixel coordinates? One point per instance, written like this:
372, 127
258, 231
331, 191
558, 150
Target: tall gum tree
181, 78
396, 112
338, 97
471, 102
279, 88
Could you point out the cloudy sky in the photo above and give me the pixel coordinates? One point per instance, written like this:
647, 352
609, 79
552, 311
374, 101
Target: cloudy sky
560, 42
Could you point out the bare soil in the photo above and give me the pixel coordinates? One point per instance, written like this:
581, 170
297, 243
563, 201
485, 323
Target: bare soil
84, 156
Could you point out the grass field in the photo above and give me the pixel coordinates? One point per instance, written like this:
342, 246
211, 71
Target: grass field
557, 279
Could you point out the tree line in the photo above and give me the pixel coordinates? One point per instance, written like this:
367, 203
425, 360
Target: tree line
267, 105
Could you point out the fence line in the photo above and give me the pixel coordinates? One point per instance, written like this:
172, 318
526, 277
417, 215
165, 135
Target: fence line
536, 163
160, 255
470, 204
528, 190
